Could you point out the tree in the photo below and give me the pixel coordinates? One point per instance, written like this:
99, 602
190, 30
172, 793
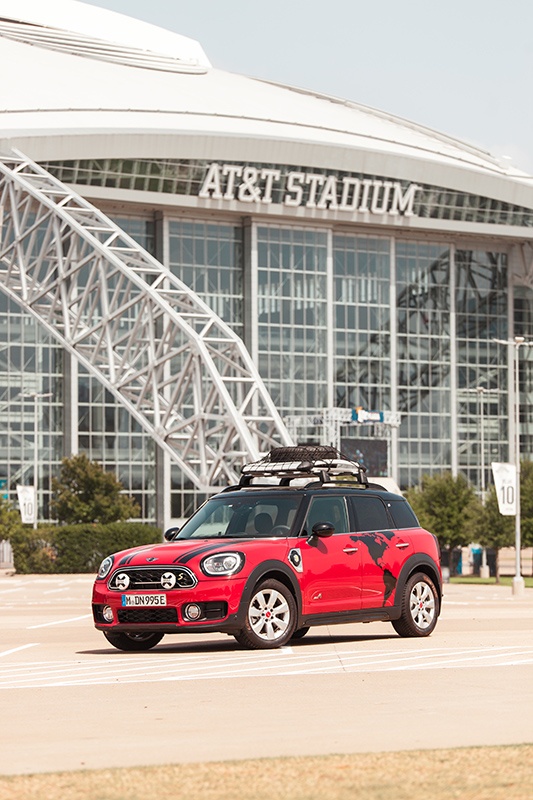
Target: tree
526, 503
85, 492
446, 506
492, 529
10, 521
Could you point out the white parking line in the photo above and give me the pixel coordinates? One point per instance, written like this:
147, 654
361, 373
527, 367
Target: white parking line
18, 649
57, 622
170, 667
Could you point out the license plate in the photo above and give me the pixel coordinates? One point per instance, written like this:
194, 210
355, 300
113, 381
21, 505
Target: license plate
144, 600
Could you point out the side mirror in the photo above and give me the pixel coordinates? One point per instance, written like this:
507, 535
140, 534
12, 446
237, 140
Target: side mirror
171, 534
323, 529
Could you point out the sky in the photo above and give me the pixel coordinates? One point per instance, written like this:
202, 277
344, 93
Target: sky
461, 67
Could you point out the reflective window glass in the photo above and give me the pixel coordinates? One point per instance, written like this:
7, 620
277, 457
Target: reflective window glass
292, 317
370, 513
327, 509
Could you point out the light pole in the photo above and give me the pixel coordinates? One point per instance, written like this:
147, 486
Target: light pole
518, 580
36, 396
484, 571
517, 342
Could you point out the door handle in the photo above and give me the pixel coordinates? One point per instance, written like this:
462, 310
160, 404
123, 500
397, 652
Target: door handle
350, 550
401, 545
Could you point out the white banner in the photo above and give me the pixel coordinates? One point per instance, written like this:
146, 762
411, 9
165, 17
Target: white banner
27, 503
505, 484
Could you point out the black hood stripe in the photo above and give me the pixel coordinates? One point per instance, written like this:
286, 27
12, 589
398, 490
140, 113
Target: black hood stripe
128, 559
183, 559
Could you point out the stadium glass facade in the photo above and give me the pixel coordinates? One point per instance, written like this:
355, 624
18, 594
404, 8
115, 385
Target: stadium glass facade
335, 314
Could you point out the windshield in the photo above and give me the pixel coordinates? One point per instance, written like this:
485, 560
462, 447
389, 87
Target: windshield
249, 517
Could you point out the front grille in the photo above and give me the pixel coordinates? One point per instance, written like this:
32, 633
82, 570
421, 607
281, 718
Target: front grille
147, 615
154, 578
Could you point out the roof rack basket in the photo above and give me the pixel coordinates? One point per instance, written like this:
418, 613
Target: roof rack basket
314, 462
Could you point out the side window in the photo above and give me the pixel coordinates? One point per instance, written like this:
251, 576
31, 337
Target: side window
327, 509
371, 514
402, 514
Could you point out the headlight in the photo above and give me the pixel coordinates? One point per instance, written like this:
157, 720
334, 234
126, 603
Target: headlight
223, 564
105, 567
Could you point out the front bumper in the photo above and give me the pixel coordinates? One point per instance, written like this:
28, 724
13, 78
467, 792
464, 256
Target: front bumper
217, 599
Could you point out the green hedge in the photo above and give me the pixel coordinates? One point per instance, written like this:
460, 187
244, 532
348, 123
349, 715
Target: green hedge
76, 548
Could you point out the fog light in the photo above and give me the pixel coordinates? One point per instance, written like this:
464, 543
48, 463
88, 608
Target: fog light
193, 611
107, 613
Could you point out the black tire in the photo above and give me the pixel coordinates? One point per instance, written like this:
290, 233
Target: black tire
271, 617
420, 607
132, 641
300, 633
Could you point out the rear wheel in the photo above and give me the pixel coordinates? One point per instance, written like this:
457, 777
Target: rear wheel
420, 607
270, 617
132, 641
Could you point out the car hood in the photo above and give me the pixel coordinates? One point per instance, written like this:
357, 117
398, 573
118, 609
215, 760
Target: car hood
185, 550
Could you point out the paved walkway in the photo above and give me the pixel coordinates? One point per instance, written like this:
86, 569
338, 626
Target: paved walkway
70, 701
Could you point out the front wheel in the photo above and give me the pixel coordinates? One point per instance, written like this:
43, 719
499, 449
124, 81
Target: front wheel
420, 607
270, 617
132, 641
300, 633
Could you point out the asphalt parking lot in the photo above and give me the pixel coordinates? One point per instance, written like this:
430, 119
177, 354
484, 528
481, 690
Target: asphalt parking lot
71, 701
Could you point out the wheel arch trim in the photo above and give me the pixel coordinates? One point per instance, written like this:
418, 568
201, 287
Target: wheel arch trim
276, 570
418, 563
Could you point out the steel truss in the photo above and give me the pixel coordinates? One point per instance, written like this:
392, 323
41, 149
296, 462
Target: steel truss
331, 420
151, 341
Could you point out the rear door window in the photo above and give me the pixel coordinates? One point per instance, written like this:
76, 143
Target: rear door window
370, 514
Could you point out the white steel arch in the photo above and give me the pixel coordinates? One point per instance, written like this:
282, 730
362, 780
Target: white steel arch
177, 367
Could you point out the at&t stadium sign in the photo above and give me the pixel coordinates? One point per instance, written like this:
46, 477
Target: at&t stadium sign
267, 185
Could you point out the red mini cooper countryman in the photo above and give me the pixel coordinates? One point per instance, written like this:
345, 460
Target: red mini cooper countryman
303, 540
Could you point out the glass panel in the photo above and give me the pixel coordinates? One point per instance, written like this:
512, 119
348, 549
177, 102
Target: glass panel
481, 306
209, 259
424, 358
523, 326
292, 310
31, 411
362, 330
327, 509
250, 516
371, 514
402, 514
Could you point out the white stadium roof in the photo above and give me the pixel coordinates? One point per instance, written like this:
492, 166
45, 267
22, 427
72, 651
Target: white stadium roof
84, 82
90, 21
